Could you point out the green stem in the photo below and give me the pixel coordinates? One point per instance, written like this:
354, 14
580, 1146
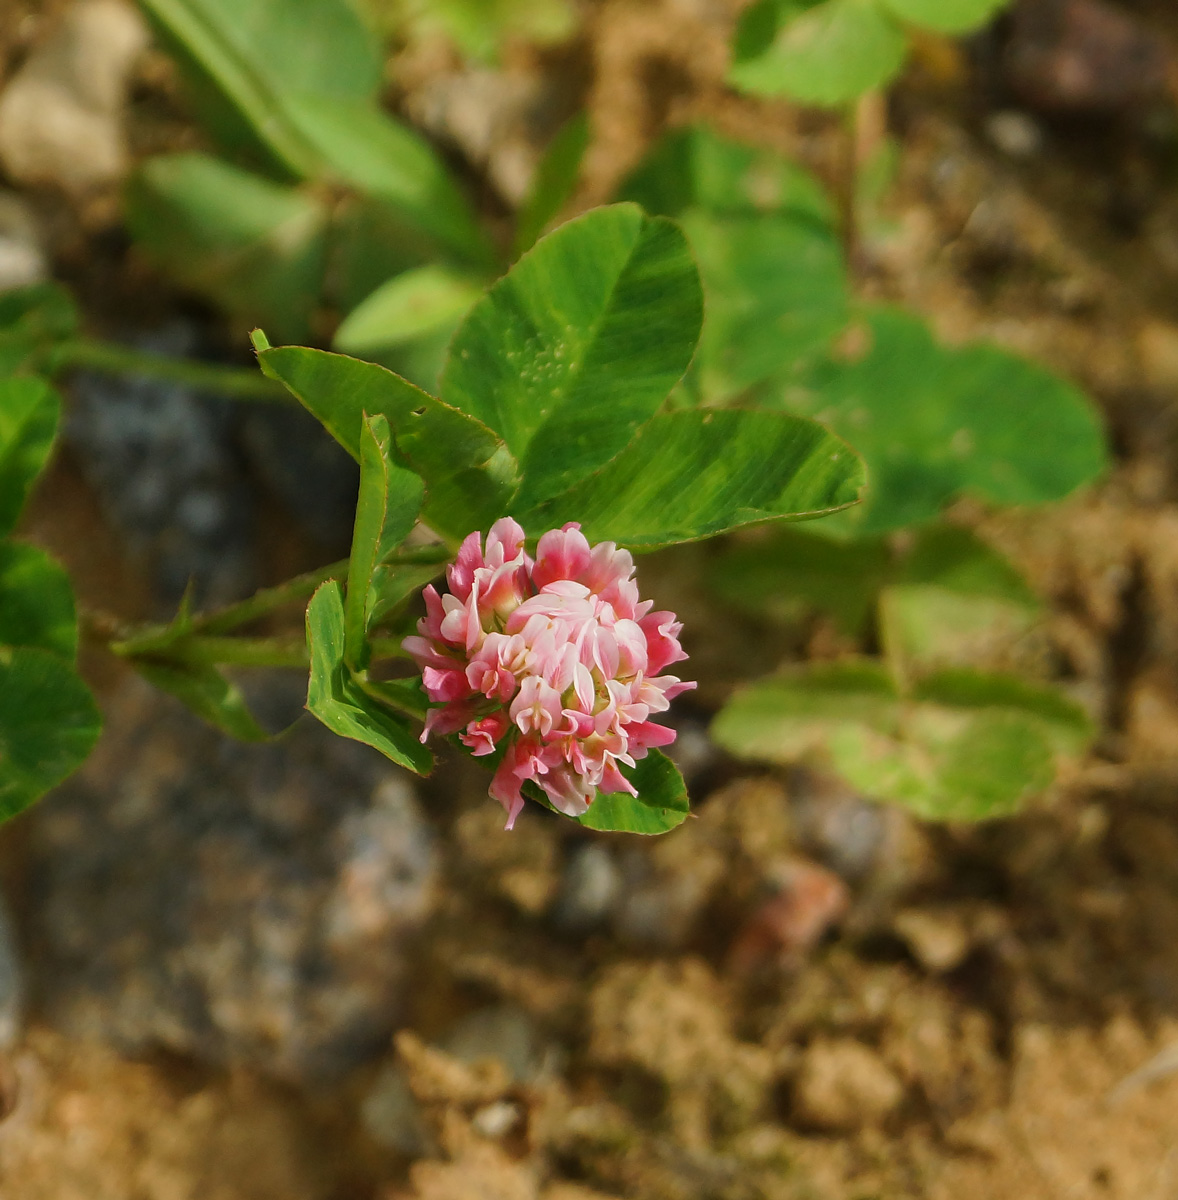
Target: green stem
236, 383
387, 648
241, 652
267, 600
847, 191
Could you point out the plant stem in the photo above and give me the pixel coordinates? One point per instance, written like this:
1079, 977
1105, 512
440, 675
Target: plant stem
387, 648
237, 383
246, 652
847, 191
267, 600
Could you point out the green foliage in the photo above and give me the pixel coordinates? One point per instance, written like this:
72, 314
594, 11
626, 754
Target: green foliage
361, 147
931, 422
772, 267
387, 508
299, 97
478, 27
785, 573
574, 351
36, 601
470, 475
34, 322
48, 724
934, 423
337, 697
660, 805
256, 248
692, 475
953, 602
694, 168
48, 721
567, 359
556, 177
830, 52
961, 746
777, 294
29, 412
247, 59
429, 300
923, 727
825, 53
578, 345
206, 691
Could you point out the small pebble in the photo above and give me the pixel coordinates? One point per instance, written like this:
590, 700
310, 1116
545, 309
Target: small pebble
589, 890
1015, 134
61, 113
938, 940
843, 1085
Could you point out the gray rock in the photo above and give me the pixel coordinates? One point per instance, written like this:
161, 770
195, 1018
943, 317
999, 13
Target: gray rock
61, 114
503, 1031
22, 261
286, 447
237, 904
391, 1115
590, 889
163, 461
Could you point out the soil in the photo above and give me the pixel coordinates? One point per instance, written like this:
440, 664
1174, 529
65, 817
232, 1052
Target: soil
796, 995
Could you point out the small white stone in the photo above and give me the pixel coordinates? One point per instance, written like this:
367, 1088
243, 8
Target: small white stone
844, 1085
494, 1120
1015, 134
939, 941
60, 116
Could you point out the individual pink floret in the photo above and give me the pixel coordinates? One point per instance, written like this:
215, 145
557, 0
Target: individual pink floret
555, 663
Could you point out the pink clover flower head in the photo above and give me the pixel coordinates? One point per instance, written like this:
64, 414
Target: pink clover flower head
556, 663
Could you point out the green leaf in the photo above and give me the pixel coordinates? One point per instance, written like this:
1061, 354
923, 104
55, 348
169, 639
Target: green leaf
404, 695
478, 27
1067, 726
660, 805
790, 716
827, 54
253, 247
361, 146
470, 475
393, 584
48, 725
945, 16
390, 499
34, 320
690, 475
694, 167
29, 413
965, 746
253, 55
579, 344
208, 693
786, 571
955, 602
340, 702
425, 300
776, 295
956, 559
933, 423
36, 601
556, 179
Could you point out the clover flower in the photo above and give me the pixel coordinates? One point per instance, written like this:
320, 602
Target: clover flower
555, 663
